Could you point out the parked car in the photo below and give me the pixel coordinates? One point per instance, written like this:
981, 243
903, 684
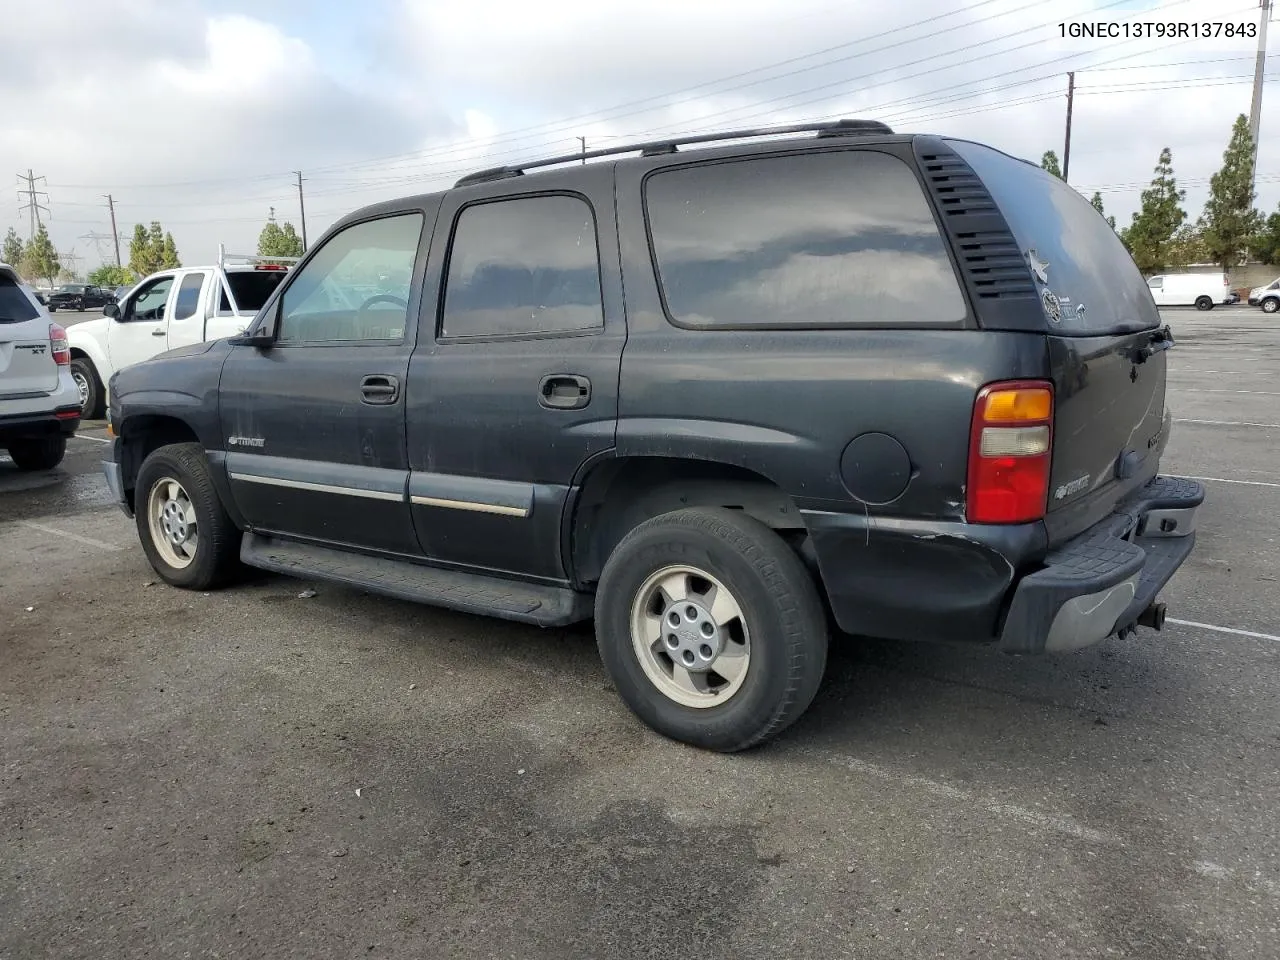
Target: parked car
39, 404
1266, 296
907, 381
79, 296
172, 308
1201, 290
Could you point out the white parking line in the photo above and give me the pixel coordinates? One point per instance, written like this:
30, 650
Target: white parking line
1229, 423
66, 535
1248, 483
1234, 631
1256, 393
83, 436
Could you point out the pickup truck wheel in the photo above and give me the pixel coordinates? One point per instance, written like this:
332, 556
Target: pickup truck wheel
90, 387
43, 454
711, 628
185, 531
1204, 303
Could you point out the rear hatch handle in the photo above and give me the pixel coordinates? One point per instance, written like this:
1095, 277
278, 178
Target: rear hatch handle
1159, 340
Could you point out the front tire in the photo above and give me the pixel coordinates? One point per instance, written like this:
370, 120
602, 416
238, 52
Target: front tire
184, 528
711, 628
43, 454
90, 386
1204, 303
1270, 305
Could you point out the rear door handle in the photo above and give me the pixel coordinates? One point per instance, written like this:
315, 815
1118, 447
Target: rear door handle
379, 388
564, 391
158, 332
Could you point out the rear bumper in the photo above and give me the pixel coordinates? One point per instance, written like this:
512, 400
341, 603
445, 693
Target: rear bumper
32, 426
1100, 582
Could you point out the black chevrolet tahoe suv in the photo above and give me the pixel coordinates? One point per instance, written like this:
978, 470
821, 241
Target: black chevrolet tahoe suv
719, 399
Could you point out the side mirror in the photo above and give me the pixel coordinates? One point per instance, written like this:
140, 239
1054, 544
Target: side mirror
261, 339
111, 310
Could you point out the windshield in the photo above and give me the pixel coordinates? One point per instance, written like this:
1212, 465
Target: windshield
251, 288
1097, 285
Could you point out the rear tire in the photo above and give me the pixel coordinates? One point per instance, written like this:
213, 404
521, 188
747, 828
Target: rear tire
1270, 305
727, 578
90, 385
1204, 303
43, 454
184, 528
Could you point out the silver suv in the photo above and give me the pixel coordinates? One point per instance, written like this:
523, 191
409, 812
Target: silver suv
39, 402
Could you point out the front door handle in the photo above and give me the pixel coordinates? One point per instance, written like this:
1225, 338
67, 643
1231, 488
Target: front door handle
379, 388
158, 332
564, 391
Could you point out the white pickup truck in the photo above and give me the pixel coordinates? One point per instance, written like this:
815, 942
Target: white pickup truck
172, 308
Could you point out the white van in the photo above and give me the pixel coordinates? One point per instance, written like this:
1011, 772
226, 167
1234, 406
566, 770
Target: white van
1201, 290
1266, 296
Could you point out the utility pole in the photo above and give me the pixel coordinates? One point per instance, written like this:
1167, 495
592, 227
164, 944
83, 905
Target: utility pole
1255, 112
33, 203
302, 211
583, 141
115, 234
1066, 150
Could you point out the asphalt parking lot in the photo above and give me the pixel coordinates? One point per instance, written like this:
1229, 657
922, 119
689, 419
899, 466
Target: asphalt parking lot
251, 773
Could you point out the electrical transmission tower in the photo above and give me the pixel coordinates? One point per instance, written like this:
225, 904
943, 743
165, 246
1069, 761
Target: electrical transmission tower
32, 196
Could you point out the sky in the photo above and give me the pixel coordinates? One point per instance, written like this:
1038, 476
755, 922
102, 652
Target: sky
196, 113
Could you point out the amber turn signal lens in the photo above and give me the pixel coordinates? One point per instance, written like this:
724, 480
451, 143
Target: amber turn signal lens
1018, 406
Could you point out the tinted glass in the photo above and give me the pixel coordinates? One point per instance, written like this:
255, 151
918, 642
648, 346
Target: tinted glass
522, 266
1089, 270
150, 302
251, 288
355, 287
14, 305
823, 239
188, 296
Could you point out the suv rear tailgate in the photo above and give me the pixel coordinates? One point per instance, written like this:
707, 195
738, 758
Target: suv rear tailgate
1106, 348
26, 360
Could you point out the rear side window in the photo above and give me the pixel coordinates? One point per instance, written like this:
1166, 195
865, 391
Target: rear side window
525, 266
833, 239
1098, 288
15, 306
188, 296
251, 288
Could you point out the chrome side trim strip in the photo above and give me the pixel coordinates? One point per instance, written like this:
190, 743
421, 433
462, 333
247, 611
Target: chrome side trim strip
318, 487
471, 505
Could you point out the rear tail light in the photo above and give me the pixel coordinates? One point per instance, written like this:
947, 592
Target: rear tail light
58, 344
1010, 449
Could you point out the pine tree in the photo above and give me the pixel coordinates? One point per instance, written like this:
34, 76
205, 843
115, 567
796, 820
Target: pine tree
12, 253
1096, 200
1153, 226
1229, 220
140, 251
40, 258
1187, 246
1050, 162
169, 254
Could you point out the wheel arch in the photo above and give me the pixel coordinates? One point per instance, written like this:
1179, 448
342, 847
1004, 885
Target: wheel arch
616, 494
144, 433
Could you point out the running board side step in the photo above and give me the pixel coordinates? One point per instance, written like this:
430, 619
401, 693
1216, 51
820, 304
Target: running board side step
476, 593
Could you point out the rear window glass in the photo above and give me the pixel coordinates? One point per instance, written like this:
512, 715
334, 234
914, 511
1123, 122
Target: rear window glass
1086, 267
15, 307
841, 238
251, 288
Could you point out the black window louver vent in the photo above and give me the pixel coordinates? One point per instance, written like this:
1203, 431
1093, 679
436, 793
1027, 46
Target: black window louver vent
993, 266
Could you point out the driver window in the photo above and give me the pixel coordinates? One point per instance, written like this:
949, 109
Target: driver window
150, 301
355, 287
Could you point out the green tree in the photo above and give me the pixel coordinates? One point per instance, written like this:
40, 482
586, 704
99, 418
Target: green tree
278, 241
40, 258
1266, 242
12, 253
140, 252
169, 253
1153, 226
1050, 162
109, 275
1096, 200
1187, 246
1229, 220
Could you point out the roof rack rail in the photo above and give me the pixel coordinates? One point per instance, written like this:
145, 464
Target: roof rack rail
835, 128
224, 257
